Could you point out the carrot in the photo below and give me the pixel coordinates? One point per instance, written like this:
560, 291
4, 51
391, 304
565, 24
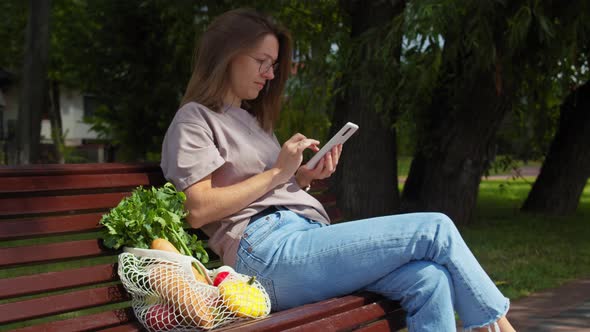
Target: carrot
165, 245
196, 307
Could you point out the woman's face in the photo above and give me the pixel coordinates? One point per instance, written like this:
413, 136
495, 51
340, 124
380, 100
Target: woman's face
250, 71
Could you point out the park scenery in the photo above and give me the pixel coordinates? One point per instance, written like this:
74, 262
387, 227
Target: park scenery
476, 109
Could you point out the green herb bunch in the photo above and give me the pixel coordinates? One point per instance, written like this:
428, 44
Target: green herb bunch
149, 214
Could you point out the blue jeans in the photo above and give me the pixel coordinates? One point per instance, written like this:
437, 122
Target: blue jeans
418, 259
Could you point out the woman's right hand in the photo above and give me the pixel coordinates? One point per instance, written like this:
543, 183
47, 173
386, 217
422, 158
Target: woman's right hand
291, 155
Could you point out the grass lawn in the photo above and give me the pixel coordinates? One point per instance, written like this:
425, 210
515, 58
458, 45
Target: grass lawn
525, 253
403, 165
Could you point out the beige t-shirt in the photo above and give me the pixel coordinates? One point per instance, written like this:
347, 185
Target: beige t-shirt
234, 147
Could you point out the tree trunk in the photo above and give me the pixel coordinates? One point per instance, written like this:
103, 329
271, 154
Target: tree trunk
456, 148
366, 179
56, 123
365, 182
566, 168
33, 90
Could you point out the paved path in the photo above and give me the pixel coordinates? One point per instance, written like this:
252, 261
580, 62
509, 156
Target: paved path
563, 309
525, 171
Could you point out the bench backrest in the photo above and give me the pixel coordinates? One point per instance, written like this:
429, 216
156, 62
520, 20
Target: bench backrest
55, 275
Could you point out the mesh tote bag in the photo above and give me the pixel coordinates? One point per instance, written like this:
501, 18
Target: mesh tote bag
166, 296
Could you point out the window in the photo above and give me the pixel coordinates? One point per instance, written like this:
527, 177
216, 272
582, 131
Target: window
91, 103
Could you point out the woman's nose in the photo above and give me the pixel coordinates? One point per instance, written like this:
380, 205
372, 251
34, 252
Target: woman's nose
269, 74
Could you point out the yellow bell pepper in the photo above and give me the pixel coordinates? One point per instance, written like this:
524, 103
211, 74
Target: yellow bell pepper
243, 298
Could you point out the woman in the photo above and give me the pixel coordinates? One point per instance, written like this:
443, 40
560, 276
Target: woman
249, 194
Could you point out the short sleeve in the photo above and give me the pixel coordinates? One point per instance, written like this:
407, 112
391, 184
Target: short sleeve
189, 154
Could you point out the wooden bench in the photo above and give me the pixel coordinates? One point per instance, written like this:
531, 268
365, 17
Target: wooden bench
56, 276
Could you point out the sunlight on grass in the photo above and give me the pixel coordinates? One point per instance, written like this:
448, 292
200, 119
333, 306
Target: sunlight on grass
525, 253
403, 165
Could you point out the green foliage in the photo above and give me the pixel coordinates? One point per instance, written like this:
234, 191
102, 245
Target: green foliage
149, 214
13, 20
137, 59
318, 35
137, 56
563, 31
403, 165
532, 48
68, 152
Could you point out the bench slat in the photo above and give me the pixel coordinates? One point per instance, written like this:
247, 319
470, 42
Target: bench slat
31, 184
49, 225
129, 327
59, 204
48, 252
66, 169
84, 323
51, 281
282, 320
392, 322
350, 319
56, 304
393, 317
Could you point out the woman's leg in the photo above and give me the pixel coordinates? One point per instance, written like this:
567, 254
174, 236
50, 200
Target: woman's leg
426, 292
301, 261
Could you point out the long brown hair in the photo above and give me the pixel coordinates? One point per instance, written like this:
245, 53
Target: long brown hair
231, 34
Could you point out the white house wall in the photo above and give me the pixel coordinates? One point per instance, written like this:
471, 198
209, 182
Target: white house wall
72, 113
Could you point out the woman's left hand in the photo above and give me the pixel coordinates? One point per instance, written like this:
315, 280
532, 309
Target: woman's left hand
324, 169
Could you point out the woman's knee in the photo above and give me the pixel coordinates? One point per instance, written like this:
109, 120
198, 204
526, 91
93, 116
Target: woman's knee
427, 277
445, 229
432, 282
433, 276
442, 220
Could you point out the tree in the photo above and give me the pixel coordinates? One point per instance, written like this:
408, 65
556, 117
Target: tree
366, 179
319, 35
478, 71
464, 111
566, 168
34, 84
136, 56
13, 18
141, 51
66, 20
56, 121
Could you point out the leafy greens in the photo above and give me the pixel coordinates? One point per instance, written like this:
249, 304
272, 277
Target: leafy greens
149, 214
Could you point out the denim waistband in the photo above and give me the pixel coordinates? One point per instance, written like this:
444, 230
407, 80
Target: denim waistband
269, 210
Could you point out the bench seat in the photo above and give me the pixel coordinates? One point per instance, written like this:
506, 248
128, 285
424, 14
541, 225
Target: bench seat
55, 274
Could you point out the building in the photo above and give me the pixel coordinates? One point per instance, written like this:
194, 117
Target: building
74, 106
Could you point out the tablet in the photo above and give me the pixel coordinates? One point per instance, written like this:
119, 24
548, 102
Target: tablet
343, 134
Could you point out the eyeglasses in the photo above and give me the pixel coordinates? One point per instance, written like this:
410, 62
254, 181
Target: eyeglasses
266, 64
